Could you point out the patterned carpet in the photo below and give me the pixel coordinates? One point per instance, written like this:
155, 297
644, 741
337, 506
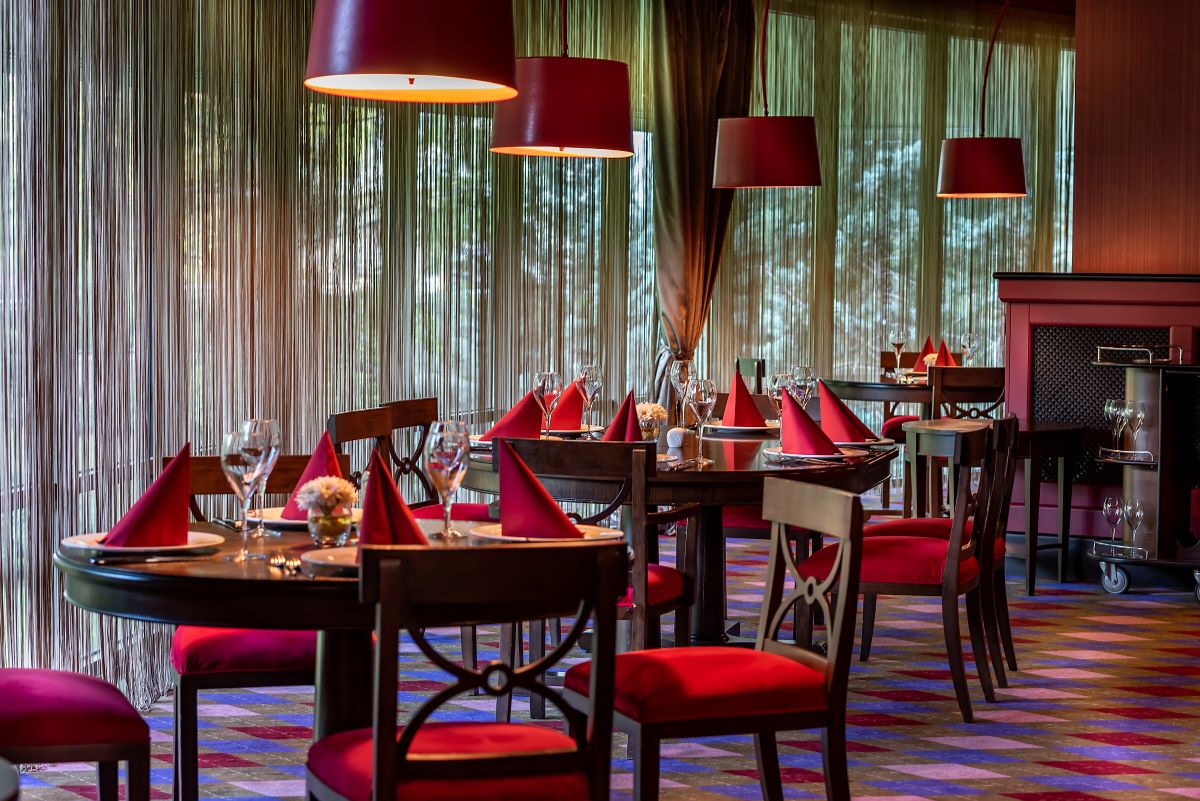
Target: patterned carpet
1106, 706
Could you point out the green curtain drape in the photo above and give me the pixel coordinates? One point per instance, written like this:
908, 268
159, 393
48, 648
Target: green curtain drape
703, 73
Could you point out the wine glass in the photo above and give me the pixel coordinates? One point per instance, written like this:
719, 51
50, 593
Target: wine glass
701, 397
590, 383
1137, 418
1114, 411
1113, 509
547, 387
241, 455
681, 376
446, 457
898, 339
804, 384
970, 344
780, 382
1133, 516
269, 429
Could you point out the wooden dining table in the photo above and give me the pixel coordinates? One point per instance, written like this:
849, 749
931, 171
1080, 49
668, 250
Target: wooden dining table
888, 392
735, 478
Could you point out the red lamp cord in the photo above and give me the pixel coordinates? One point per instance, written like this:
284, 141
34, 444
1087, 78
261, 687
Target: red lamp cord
987, 66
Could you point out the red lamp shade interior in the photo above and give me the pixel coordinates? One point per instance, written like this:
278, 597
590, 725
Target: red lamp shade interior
982, 167
421, 51
762, 152
566, 107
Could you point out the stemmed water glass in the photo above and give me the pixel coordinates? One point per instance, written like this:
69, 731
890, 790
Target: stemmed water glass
1113, 509
804, 383
970, 344
1133, 517
446, 457
243, 454
269, 429
547, 388
701, 397
898, 339
780, 383
590, 383
681, 376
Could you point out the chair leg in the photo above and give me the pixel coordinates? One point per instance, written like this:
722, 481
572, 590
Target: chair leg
683, 626
537, 650
645, 767
137, 780
653, 631
186, 746
868, 626
991, 631
954, 655
979, 652
470, 647
107, 781
833, 754
510, 649
556, 631
766, 754
1000, 595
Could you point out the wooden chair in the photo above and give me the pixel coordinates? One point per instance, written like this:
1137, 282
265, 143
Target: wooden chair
753, 371
712, 691
407, 586
908, 358
914, 565
204, 658
53, 716
967, 392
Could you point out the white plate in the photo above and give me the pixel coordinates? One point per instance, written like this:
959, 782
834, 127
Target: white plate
667, 457
577, 432
332, 561
197, 541
478, 444
772, 425
272, 517
493, 532
869, 443
778, 454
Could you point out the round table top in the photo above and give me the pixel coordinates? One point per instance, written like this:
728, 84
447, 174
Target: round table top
9, 781
945, 425
889, 391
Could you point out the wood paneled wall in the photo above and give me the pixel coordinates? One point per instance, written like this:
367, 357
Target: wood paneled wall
1137, 136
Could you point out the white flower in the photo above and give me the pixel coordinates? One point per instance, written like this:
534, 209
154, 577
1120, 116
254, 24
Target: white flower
326, 494
930, 359
651, 414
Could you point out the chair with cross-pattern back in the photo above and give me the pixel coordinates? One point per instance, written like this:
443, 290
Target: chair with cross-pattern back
967, 392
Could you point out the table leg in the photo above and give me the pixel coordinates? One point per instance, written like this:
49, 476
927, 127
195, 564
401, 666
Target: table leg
708, 613
920, 492
1033, 494
1065, 471
344, 682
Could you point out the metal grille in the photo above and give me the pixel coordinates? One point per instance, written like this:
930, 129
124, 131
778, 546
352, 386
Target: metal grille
1067, 387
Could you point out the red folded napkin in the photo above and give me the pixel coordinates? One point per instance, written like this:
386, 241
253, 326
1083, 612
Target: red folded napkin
523, 421
568, 414
160, 516
740, 409
625, 426
919, 366
323, 462
841, 424
944, 357
386, 518
526, 509
800, 434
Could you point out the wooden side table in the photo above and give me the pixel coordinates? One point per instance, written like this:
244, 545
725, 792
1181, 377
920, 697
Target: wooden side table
1037, 441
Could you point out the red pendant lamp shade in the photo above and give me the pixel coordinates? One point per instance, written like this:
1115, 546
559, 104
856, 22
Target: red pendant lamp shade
420, 51
567, 107
761, 152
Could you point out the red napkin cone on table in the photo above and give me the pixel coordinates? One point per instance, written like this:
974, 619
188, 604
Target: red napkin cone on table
800, 435
323, 462
160, 516
568, 414
919, 366
526, 509
944, 358
523, 421
740, 409
625, 426
841, 424
386, 518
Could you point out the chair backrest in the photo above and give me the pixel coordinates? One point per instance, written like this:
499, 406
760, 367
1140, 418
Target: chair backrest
410, 589
995, 490
207, 478
967, 392
753, 370
763, 402
908, 358
372, 425
407, 415
836, 514
972, 451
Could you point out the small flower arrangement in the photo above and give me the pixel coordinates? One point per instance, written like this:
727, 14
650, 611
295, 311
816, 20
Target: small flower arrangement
651, 414
930, 359
326, 494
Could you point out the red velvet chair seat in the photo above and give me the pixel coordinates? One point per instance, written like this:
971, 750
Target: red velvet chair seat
747, 518
705, 682
662, 584
467, 512
927, 527
343, 763
58, 708
894, 560
199, 649
893, 427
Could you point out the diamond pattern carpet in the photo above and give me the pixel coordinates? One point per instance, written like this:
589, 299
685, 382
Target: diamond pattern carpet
1106, 706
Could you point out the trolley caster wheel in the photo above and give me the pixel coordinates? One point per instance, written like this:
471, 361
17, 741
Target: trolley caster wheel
1115, 579
1197, 593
